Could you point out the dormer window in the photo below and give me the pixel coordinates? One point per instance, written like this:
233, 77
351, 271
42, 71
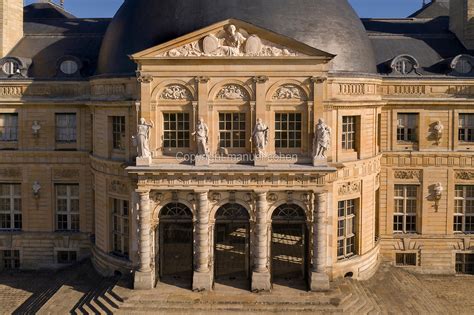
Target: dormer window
463, 64
11, 68
14, 67
404, 65
69, 66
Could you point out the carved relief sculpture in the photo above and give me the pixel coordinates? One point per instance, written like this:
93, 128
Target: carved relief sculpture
36, 128
288, 92
321, 140
201, 134
143, 138
438, 131
230, 42
232, 92
175, 92
260, 137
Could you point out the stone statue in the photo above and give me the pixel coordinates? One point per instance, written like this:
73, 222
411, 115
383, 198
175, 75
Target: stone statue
438, 131
322, 139
201, 132
143, 138
260, 137
438, 191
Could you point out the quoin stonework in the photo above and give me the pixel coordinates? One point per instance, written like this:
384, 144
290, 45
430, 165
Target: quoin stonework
247, 141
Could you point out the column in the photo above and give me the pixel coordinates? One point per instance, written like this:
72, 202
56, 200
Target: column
143, 278
319, 277
202, 278
261, 273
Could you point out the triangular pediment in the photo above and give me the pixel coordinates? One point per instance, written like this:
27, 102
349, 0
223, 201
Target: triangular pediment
232, 39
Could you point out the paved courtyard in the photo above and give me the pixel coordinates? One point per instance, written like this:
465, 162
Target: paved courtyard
79, 290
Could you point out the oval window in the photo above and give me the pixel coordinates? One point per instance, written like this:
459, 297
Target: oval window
69, 67
10, 68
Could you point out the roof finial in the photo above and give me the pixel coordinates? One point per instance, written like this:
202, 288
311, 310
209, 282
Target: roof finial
61, 2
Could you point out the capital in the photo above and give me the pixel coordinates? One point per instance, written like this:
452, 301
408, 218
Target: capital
318, 79
144, 78
202, 79
260, 79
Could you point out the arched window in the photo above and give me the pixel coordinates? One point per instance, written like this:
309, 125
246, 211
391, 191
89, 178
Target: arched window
232, 211
289, 212
176, 211
463, 64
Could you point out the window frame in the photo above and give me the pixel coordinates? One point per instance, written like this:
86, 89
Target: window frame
461, 261
405, 214
229, 135
466, 131
407, 133
15, 215
119, 130
347, 234
463, 215
71, 130
13, 136
12, 261
291, 134
349, 139
178, 135
69, 213
120, 227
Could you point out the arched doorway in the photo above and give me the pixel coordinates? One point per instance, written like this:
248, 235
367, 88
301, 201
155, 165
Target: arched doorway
289, 249
175, 243
231, 246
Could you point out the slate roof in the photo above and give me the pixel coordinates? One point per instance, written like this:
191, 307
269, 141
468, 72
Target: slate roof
427, 40
433, 9
51, 33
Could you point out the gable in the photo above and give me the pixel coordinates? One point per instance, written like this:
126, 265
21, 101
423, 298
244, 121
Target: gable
232, 38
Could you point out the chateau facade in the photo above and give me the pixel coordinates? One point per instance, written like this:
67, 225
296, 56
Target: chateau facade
246, 142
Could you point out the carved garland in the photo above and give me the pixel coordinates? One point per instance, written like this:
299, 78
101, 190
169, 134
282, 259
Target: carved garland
350, 188
118, 187
175, 92
464, 175
407, 174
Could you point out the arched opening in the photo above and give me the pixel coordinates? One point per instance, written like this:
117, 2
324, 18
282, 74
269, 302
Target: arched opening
289, 248
231, 246
175, 243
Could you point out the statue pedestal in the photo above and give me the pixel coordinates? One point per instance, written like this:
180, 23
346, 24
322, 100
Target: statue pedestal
260, 160
143, 161
201, 160
320, 161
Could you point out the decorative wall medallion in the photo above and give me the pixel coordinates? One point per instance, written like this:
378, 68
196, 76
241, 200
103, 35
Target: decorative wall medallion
118, 187
272, 197
233, 92
230, 42
216, 197
407, 174
157, 197
350, 188
10, 172
289, 92
175, 92
66, 173
465, 175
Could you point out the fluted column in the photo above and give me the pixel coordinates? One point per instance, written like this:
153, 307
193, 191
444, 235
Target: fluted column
202, 278
144, 275
261, 274
319, 278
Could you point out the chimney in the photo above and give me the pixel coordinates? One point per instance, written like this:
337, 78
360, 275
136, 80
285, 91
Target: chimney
461, 21
11, 25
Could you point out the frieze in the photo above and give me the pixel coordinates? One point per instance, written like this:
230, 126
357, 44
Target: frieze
464, 175
407, 174
11, 91
66, 173
10, 173
350, 188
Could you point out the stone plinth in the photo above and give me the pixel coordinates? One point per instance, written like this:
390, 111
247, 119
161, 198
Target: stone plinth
202, 281
143, 161
261, 281
320, 161
319, 282
143, 280
201, 160
260, 160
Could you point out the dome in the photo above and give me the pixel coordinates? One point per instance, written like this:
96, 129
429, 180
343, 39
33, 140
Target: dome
328, 25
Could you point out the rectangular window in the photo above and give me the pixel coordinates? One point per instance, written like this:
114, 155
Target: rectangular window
406, 128
11, 259
406, 200
67, 257
66, 128
466, 128
118, 133
176, 130
349, 132
10, 207
405, 259
346, 229
67, 207
8, 127
465, 263
464, 209
288, 130
120, 227
232, 131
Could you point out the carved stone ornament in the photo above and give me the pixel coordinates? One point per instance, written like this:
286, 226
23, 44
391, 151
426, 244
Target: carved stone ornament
350, 188
10, 172
216, 197
272, 197
230, 42
157, 197
118, 187
233, 92
36, 128
66, 173
465, 175
289, 92
407, 174
175, 92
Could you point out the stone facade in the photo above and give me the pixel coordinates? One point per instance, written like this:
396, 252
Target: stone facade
347, 199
